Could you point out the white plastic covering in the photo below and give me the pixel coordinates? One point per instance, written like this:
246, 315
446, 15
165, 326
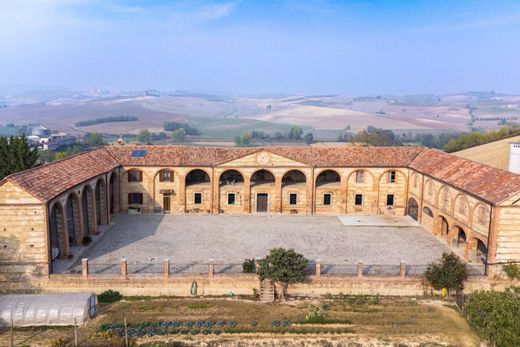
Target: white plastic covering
46, 309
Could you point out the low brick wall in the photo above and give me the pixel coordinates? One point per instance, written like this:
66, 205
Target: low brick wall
238, 284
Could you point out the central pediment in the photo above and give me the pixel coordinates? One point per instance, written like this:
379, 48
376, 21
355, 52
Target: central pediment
262, 158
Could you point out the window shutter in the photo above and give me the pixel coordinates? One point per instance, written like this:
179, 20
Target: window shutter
140, 176
171, 176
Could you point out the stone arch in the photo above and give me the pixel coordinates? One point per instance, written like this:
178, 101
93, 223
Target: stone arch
87, 204
360, 191
294, 191
134, 175
231, 185
113, 193
444, 199
328, 177
461, 236
443, 226
462, 204
197, 191
427, 211
58, 243
415, 180
100, 200
480, 215
413, 208
391, 194
430, 191
481, 251
397, 174
73, 218
263, 191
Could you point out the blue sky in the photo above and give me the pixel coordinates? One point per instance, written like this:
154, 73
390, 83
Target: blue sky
249, 47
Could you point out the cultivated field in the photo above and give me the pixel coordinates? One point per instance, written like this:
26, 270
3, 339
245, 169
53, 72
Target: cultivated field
352, 321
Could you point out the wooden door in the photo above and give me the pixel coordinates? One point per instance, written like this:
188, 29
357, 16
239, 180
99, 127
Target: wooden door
261, 202
166, 204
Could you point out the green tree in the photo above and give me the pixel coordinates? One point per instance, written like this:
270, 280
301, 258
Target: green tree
179, 135
449, 272
145, 136
243, 141
93, 140
16, 155
494, 316
283, 266
308, 138
60, 156
296, 133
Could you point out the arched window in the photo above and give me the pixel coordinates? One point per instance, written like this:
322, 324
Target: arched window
165, 176
427, 211
462, 205
481, 214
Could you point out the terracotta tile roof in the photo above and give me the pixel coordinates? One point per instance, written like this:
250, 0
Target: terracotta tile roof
48, 181
210, 156
490, 184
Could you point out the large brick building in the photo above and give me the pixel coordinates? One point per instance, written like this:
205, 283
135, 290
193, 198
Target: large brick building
46, 211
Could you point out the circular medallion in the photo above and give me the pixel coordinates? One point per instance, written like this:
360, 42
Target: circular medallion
263, 158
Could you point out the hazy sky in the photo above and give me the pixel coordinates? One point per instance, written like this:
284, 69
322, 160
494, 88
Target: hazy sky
304, 47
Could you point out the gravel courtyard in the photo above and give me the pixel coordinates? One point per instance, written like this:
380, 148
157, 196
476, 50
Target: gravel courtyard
193, 239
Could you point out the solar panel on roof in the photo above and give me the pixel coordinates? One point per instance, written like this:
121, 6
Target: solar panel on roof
138, 153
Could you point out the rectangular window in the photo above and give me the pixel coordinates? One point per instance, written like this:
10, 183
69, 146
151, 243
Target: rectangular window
197, 198
166, 176
327, 201
358, 200
390, 200
360, 177
391, 177
135, 198
135, 176
293, 199
231, 199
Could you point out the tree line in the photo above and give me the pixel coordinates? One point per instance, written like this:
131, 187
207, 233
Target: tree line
294, 134
477, 138
85, 123
16, 155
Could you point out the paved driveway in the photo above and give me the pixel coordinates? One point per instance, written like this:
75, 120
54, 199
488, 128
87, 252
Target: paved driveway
193, 239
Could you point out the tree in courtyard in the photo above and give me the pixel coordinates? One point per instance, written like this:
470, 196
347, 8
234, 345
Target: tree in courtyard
16, 155
449, 272
494, 316
283, 266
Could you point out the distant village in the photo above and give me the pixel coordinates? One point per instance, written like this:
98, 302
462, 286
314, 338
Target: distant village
39, 136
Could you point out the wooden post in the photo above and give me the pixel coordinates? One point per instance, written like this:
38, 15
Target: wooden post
360, 268
211, 268
12, 329
402, 270
124, 268
84, 267
75, 333
317, 269
126, 333
166, 268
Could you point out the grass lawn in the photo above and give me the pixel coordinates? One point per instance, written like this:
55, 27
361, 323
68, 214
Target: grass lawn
360, 320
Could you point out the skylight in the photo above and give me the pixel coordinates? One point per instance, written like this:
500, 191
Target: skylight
138, 153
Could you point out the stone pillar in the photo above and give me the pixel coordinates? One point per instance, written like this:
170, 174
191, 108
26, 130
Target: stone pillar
92, 212
124, 268
182, 193
84, 267
360, 268
166, 268
402, 270
343, 188
308, 194
211, 268
277, 194
471, 247
247, 194
317, 269
257, 264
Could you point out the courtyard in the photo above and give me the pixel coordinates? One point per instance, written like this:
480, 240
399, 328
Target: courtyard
191, 241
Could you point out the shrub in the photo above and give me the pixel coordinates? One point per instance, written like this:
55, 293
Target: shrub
494, 316
86, 240
450, 272
248, 266
109, 296
200, 306
317, 313
59, 342
512, 270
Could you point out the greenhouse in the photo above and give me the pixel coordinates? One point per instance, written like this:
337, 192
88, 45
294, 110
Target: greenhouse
46, 309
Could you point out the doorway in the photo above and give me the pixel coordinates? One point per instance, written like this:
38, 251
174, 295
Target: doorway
166, 204
262, 202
